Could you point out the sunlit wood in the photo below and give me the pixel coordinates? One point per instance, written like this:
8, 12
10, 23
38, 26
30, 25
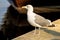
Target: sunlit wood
48, 33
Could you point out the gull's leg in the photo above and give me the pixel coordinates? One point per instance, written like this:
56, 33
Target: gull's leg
37, 25
39, 31
35, 31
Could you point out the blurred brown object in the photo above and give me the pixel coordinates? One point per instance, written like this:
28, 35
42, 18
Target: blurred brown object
17, 4
39, 10
22, 2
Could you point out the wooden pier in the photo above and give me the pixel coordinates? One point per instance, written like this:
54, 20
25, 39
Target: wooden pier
48, 33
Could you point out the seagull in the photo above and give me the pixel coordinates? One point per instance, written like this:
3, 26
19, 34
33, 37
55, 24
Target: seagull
35, 19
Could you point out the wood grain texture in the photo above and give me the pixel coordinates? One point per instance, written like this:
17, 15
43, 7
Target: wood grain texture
47, 33
39, 10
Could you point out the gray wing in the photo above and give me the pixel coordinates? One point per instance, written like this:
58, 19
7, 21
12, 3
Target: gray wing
41, 20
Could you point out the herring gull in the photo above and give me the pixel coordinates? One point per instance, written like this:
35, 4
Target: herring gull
35, 19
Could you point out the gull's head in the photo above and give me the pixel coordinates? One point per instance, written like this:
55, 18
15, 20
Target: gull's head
28, 7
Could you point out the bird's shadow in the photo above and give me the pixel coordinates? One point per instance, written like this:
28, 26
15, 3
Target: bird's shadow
54, 33
55, 39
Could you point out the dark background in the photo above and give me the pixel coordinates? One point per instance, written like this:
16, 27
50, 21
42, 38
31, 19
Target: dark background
45, 2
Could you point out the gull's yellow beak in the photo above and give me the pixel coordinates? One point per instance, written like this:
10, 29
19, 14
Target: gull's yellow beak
24, 6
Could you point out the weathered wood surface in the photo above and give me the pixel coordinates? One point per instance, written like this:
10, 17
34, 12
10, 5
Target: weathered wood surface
40, 10
48, 33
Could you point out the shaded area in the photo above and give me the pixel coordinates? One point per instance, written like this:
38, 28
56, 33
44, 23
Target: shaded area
15, 31
55, 39
36, 2
54, 33
45, 2
52, 15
